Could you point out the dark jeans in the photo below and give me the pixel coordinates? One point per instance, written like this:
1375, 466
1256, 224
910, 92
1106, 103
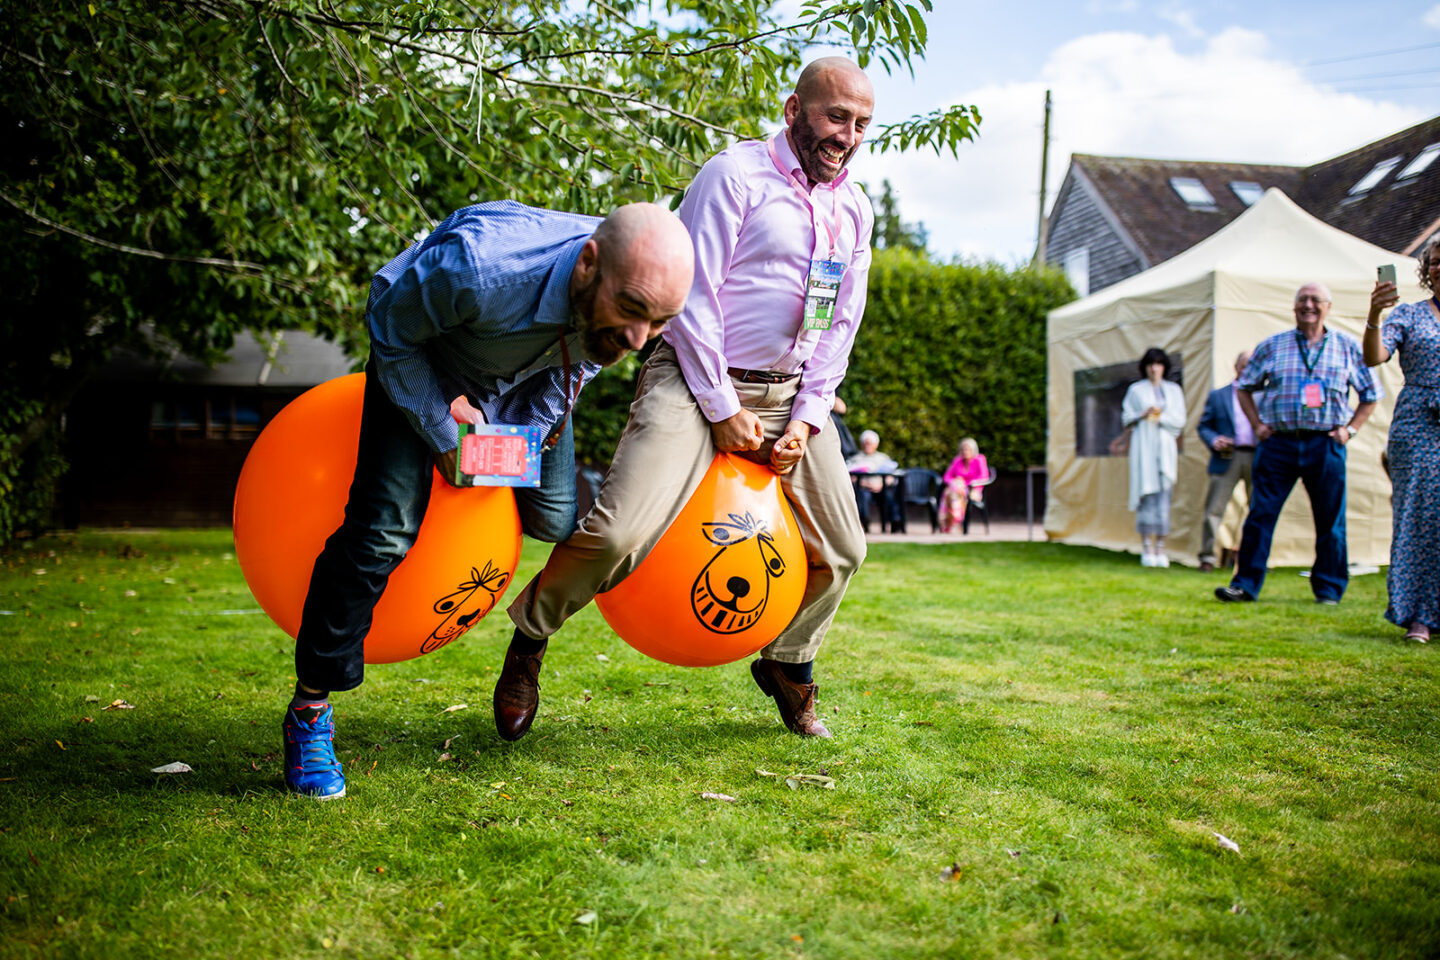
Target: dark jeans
1317, 461
387, 503
889, 505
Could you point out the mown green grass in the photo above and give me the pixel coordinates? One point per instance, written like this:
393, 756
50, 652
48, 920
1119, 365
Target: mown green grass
1065, 729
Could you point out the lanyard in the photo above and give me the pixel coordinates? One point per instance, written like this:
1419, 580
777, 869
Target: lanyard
570, 397
1305, 355
832, 226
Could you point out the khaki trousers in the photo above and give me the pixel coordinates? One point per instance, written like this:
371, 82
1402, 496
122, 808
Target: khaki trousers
1217, 499
662, 456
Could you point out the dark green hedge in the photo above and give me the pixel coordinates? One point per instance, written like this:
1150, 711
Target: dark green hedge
945, 351
949, 351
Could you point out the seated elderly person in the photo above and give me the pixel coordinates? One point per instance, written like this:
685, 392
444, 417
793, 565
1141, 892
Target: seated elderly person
874, 475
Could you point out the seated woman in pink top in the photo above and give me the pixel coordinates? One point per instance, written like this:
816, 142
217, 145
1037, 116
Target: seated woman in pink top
963, 483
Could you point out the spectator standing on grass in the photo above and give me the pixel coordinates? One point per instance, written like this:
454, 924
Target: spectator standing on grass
1226, 432
498, 316
1413, 329
782, 255
1301, 425
1154, 412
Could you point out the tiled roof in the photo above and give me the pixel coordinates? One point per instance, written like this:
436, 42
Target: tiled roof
1395, 213
1162, 224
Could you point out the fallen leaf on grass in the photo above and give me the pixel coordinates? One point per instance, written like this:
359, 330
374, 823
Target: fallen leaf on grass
118, 705
59, 744
91, 698
766, 773
796, 780
448, 741
587, 918
444, 757
1227, 843
176, 767
602, 658
950, 873
717, 796
458, 706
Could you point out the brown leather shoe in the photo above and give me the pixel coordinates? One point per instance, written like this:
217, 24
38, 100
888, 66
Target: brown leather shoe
517, 693
1206, 566
795, 700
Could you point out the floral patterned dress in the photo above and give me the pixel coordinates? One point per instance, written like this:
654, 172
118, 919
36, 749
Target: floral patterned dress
1414, 447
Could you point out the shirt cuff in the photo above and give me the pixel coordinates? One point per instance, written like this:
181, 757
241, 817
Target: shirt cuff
812, 410
719, 403
445, 435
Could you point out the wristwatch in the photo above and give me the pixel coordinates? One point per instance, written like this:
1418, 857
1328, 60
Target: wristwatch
1351, 429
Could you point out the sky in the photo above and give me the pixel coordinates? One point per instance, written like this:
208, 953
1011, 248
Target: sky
1263, 81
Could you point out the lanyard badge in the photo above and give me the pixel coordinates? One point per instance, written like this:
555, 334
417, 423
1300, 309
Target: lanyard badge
821, 290
498, 455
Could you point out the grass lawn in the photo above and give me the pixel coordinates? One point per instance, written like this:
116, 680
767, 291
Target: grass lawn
1035, 748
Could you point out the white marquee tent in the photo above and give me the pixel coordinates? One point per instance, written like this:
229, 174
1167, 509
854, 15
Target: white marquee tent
1220, 297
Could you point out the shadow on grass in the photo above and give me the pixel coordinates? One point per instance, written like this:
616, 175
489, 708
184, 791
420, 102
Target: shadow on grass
56, 762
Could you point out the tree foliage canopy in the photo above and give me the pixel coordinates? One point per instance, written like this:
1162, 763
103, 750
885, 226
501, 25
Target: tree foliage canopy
177, 171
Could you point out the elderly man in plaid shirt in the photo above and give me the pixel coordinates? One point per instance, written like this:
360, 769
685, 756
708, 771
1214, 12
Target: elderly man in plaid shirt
1302, 425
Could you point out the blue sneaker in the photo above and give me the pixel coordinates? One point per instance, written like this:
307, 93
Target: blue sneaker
310, 764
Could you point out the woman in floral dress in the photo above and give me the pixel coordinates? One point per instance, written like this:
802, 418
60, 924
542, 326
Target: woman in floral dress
1414, 448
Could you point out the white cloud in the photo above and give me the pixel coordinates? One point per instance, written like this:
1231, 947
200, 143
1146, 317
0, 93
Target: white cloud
1183, 19
1122, 94
1432, 17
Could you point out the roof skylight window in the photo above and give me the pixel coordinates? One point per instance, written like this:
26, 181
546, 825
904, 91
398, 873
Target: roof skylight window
1193, 192
1421, 162
1248, 192
1377, 173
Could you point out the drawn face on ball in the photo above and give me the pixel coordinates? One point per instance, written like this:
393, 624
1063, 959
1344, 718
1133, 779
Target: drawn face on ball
466, 606
730, 593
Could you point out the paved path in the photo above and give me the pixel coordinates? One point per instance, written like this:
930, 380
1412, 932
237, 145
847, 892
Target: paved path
1000, 530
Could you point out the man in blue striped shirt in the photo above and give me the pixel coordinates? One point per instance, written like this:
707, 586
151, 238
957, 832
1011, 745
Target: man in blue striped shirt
1301, 425
479, 322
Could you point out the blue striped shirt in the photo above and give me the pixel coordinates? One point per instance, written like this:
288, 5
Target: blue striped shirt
479, 308
1283, 362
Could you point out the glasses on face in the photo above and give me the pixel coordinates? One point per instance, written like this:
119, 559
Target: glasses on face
1315, 300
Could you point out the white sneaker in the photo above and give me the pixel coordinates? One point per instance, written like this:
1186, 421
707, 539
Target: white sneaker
1146, 560
1161, 560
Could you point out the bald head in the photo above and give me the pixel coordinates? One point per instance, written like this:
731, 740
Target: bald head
827, 116
826, 72
1242, 360
632, 276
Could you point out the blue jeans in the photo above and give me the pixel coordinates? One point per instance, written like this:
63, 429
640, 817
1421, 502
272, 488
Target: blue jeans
1317, 461
387, 503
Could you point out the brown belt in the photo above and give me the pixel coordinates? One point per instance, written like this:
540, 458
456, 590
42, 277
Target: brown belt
761, 376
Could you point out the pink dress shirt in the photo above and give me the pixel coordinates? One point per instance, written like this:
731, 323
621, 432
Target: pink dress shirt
755, 233
1244, 433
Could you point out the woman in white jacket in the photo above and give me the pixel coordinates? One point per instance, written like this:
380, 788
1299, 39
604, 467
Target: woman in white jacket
1154, 412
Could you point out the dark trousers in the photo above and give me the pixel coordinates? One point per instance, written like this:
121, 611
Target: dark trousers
386, 505
1318, 462
889, 500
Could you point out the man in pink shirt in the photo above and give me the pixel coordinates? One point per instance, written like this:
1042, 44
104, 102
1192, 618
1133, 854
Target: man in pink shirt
782, 253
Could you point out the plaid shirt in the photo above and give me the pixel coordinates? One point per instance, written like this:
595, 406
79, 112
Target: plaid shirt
479, 308
1282, 363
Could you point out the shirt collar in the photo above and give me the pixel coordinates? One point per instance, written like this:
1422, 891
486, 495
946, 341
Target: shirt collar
792, 162
554, 305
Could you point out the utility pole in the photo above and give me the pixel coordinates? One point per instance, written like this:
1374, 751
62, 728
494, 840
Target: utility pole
1044, 175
